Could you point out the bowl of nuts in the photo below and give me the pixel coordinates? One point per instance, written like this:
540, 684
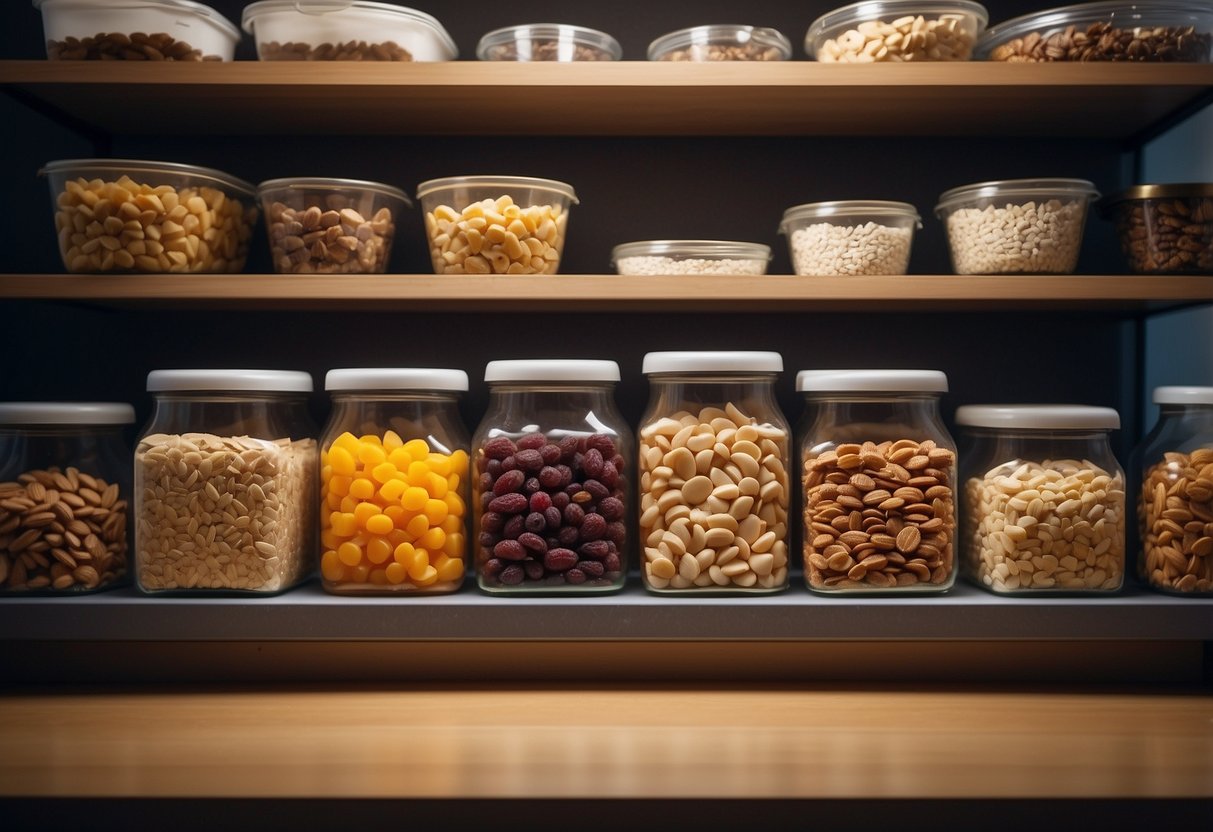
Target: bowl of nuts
345, 30
330, 226
548, 42
851, 237
1165, 229
150, 30
496, 224
134, 216
721, 43
1141, 32
897, 31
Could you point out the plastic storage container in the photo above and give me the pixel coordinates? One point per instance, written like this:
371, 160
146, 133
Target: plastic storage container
496, 224
190, 219
1044, 502
879, 479
548, 42
1016, 226
553, 459
225, 483
714, 490
1175, 494
660, 257
1143, 31
142, 30
65, 483
341, 30
1165, 229
331, 226
896, 31
855, 237
721, 43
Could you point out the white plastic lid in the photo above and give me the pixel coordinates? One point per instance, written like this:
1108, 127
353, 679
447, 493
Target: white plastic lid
205, 12
66, 413
554, 369
871, 381
268, 381
713, 361
1183, 395
395, 378
1042, 416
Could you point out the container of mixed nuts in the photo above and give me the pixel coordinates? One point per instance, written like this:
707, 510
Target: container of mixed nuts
1143, 32
721, 43
1165, 229
346, 31
150, 30
548, 42
897, 31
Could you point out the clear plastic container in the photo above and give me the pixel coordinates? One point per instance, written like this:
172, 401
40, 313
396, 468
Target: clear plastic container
190, 219
394, 482
878, 470
65, 484
660, 257
331, 226
854, 237
1144, 31
553, 459
140, 30
1165, 229
548, 42
496, 224
897, 31
1044, 502
714, 489
1016, 226
1174, 494
722, 43
345, 30
225, 483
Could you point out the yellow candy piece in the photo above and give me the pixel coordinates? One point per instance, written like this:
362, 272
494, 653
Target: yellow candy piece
454, 545
343, 523
379, 524
378, 550
333, 501
347, 441
384, 472
450, 570
347, 505
359, 574
395, 573
350, 554
364, 512
440, 464
459, 463
400, 458
404, 554
393, 490
378, 577
392, 440
420, 565
452, 482
340, 485
429, 577
436, 485
419, 473
452, 524
418, 526
435, 511
371, 455
433, 539
329, 540
369, 439
414, 499
361, 489
454, 504
342, 462
331, 566
417, 448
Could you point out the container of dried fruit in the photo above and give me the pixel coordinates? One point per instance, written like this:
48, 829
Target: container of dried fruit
548, 42
1143, 32
897, 31
136, 216
722, 43
146, 30
659, 257
1165, 229
878, 476
65, 484
338, 30
226, 476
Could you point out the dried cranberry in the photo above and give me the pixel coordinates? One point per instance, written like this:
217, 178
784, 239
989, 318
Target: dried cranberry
535, 522
509, 550
566, 475
531, 486
567, 536
572, 488
550, 477
532, 441
491, 521
514, 527
560, 500
573, 514
508, 482
529, 460
509, 503
618, 462
553, 517
602, 443
597, 490
592, 568
575, 576
550, 454
611, 508
610, 475
509, 464
487, 541
592, 463
568, 447
533, 569
558, 560
616, 532
595, 549
533, 542
512, 575
540, 501
486, 481
492, 567
499, 448
493, 469
485, 499
592, 527
611, 563
552, 542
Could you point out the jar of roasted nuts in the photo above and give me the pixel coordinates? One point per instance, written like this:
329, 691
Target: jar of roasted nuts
879, 474
65, 482
1165, 229
1044, 501
714, 490
553, 460
1175, 500
394, 482
225, 483
722, 43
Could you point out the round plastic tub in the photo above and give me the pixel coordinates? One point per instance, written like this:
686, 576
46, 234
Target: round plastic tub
660, 257
191, 219
854, 237
897, 31
1178, 31
548, 42
721, 43
496, 224
1165, 229
1016, 226
345, 31
147, 30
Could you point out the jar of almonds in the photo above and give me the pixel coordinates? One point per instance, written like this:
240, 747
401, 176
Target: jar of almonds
879, 474
1175, 498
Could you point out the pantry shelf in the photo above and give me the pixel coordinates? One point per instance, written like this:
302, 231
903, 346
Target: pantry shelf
631, 98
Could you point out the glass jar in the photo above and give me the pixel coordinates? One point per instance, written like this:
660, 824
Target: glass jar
393, 482
65, 483
1044, 502
225, 483
714, 450
1175, 499
879, 470
550, 489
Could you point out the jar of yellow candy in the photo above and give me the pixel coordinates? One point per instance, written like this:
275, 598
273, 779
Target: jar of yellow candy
393, 482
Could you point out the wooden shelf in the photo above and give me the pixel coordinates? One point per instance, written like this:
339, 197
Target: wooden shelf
1106, 101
